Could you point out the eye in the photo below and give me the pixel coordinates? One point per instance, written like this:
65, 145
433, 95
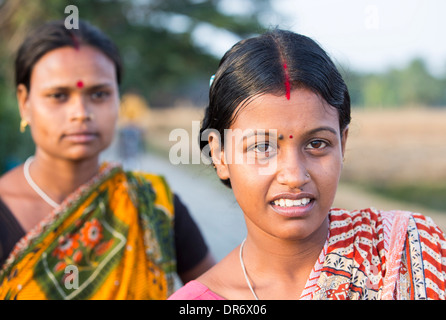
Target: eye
100, 95
317, 144
59, 96
263, 148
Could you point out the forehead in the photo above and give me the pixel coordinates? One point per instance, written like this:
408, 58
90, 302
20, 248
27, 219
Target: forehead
304, 111
67, 65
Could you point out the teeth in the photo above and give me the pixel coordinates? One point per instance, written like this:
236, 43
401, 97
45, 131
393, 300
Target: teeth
292, 203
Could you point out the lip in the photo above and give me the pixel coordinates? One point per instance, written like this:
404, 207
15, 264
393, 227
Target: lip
293, 212
292, 196
81, 136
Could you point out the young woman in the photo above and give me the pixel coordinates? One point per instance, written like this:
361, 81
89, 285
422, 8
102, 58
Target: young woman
70, 227
277, 126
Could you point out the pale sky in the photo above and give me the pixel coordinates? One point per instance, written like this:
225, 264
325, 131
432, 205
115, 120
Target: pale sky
367, 35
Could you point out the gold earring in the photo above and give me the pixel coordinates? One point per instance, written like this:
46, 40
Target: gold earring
23, 125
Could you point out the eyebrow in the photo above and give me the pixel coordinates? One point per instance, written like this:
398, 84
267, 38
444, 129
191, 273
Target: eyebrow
257, 133
316, 130
266, 132
67, 88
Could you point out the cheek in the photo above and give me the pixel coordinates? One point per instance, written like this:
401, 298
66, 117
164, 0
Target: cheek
249, 187
45, 123
106, 120
326, 175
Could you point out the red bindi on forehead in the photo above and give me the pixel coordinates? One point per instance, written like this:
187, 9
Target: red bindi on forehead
80, 84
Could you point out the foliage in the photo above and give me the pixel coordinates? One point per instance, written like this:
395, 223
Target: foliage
428, 195
162, 60
410, 86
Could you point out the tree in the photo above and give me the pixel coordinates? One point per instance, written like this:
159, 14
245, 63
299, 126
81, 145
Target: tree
412, 85
162, 59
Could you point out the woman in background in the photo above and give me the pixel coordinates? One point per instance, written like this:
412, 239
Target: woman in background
70, 227
277, 127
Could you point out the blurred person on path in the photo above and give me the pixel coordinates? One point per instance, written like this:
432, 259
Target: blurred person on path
71, 227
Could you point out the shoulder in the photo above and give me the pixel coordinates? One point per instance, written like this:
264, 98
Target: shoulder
426, 224
156, 180
368, 217
15, 191
360, 220
423, 229
386, 224
164, 196
380, 229
195, 290
12, 181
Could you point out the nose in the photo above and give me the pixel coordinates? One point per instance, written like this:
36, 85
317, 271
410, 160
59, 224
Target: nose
80, 110
292, 170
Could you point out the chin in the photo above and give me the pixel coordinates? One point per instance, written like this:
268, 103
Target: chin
84, 152
300, 229
82, 156
295, 234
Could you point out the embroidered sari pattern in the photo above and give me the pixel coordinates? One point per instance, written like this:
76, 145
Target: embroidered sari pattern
111, 239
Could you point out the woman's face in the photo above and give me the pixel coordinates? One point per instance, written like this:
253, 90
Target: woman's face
73, 102
284, 160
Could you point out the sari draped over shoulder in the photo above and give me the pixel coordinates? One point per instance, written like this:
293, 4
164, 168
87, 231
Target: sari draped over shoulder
111, 239
382, 255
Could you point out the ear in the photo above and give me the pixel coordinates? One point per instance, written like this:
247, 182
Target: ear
218, 156
22, 98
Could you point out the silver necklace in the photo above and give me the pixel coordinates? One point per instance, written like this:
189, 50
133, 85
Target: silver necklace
35, 187
244, 270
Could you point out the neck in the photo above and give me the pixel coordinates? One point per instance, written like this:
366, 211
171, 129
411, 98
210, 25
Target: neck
58, 177
271, 257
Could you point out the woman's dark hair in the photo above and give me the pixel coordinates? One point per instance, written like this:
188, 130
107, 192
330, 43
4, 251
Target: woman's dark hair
53, 35
272, 63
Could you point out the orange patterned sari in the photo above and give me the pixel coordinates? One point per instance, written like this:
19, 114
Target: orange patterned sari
111, 239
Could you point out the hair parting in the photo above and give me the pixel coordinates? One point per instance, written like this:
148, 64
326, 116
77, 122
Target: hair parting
287, 82
75, 40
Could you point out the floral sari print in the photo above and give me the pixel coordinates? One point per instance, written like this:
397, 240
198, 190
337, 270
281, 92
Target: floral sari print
111, 239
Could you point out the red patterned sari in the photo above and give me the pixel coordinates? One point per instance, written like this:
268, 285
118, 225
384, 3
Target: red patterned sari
373, 254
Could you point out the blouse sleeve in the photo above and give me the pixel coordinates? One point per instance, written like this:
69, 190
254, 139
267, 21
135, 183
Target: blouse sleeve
190, 245
194, 290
